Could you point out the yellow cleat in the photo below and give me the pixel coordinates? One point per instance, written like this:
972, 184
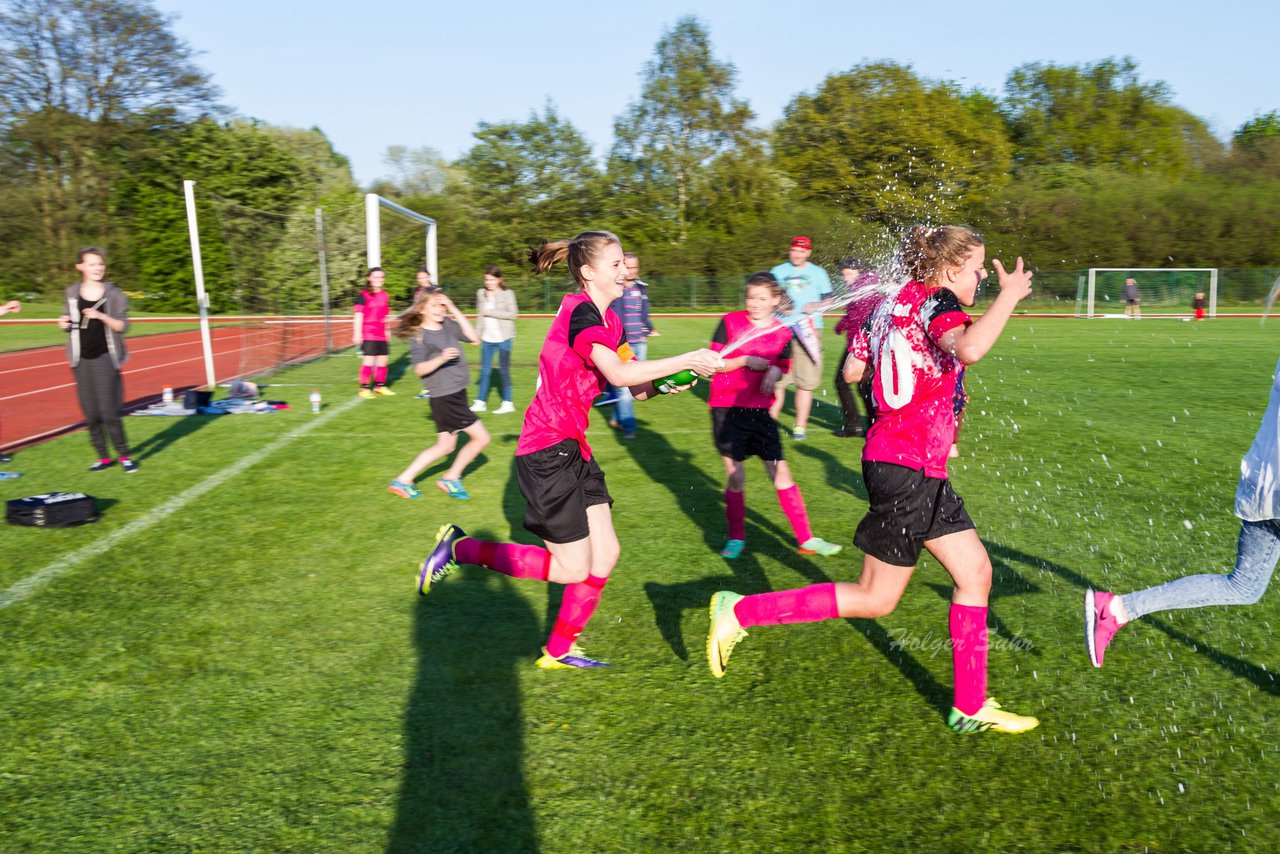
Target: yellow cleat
725, 631
990, 717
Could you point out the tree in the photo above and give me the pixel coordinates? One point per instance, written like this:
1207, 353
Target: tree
889, 147
1102, 114
418, 171
667, 141
81, 82
531, 180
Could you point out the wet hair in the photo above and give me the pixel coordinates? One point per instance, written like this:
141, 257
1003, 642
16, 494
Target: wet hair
90, 250
926, 251
849, 262
495, 271
765, 279
408, 321
583, 249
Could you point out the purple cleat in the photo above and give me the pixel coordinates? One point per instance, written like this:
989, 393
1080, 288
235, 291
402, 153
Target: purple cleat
441, 562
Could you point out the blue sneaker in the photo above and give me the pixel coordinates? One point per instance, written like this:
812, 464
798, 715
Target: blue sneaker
574, 659
453, 488
404, 490
440, 563
733, 549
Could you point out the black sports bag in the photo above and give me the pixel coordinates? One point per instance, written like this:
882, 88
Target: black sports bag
52, 510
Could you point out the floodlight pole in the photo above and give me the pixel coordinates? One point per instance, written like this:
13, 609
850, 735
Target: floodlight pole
202, 298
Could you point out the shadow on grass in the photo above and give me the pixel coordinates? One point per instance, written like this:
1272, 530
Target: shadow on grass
463, 783
179, 428
840, 476
1259, 676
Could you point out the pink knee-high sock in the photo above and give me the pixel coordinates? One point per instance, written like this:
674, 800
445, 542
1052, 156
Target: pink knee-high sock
793, 505
513, 559
802, 605
576, 608
735, 513
380, 374
366, 371
968, 625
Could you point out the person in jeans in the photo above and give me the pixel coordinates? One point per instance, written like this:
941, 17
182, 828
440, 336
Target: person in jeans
1257, 551
97, 318
496, 313
633, 308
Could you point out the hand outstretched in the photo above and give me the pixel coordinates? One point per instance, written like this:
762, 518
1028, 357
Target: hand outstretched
1016, 282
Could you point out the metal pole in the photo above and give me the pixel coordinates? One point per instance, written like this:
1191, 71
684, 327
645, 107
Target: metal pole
324, 280
433, 261
372, 232
202, 298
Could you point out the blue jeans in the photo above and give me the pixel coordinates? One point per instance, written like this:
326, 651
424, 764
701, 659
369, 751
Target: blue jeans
487, 351
1256, 556
625, 409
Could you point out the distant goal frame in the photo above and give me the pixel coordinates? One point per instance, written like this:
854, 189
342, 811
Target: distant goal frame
373, 203
1091, 285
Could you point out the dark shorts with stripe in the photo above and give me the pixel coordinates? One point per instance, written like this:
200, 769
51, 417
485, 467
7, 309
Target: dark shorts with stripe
374, 348
451, 412
558, 486
740, 432
907, 509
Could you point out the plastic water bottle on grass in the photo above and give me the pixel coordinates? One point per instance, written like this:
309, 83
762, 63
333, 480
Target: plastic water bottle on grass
315, 401
167, 395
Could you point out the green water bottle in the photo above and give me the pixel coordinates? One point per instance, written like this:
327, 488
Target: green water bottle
679, 378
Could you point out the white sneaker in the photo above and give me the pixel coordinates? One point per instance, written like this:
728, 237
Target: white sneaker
506, 407
479, 406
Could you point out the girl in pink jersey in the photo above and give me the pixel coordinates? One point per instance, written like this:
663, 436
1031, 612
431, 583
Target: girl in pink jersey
568, 504
741, 425
916, 345
369, 332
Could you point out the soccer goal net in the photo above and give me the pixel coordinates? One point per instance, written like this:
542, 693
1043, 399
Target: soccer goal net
1102, 291
402, 241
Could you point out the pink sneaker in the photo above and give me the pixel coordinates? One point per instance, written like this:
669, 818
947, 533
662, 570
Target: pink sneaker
1099, 624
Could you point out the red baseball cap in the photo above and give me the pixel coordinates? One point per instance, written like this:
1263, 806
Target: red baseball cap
801, 242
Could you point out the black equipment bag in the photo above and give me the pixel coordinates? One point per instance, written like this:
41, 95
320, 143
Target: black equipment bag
52, 510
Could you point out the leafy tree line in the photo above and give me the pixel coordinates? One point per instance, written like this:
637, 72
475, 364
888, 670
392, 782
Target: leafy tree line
103, 112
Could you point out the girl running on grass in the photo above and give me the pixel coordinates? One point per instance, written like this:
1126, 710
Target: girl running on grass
435, 329
1257, 551
918, 340
567, 502
369, 331
741, 425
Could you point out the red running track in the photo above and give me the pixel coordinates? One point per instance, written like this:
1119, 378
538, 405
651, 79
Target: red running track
38, 397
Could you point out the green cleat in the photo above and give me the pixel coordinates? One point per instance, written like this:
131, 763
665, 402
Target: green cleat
990, 717
725, 631
819, 546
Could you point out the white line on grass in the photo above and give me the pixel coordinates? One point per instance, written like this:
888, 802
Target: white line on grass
32, 583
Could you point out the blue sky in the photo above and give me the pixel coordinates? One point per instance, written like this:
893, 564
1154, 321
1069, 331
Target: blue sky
395, 72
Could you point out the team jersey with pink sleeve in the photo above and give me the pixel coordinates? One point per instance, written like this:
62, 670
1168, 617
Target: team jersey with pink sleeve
373, 307
914, 380
568, 380
741, 387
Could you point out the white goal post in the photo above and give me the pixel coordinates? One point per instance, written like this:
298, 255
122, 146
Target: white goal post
1087, 298
373, 232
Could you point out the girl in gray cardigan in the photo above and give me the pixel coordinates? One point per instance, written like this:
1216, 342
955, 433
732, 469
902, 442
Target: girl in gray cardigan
496, 322
97, 318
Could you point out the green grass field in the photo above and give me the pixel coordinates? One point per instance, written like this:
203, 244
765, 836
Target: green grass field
234, 659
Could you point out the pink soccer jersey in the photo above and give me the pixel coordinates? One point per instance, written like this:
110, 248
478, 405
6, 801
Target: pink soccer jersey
373, 307
568, 380
914, 380
741, 387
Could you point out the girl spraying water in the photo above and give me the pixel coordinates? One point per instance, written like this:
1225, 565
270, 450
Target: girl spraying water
740, 421
567, 502
435, 329
918, 341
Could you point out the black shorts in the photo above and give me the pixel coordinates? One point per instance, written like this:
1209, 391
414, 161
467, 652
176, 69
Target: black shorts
451, 413
558, 486
740, 432
374, 348
907, 509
